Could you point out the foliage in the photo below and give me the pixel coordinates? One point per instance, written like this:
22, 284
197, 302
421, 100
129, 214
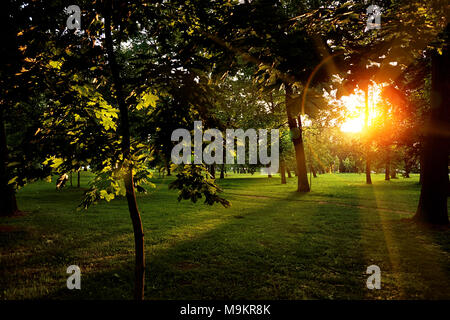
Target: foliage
195, 181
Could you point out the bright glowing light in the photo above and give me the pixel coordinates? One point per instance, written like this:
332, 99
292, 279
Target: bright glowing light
353, 125
355, 106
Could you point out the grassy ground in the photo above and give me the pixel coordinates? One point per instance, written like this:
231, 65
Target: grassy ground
271, 244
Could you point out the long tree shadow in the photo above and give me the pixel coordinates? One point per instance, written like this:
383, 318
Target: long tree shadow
412, 265
261, 249
303, 256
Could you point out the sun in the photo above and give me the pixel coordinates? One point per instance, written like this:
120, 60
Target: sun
353, 125
355, 105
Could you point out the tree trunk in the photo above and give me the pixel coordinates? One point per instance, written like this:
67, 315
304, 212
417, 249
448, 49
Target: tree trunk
212, 170
341, 166
387, 172
421, 156
313, 170
432, 206
295, 125
393, 173
78, 179
128, 178
168, 167
288, 173
407, 168
222, 171
71, 178
283, 171
8, 202
366, 125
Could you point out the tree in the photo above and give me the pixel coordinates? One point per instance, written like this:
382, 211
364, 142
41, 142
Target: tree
21, 103
92, 88
435, 182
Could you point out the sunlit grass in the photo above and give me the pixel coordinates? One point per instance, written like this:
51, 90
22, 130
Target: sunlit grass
271, 244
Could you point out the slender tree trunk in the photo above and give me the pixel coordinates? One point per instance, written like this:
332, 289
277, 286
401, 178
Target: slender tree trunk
421, 158
222, 171
71, 179
407, 168
212, 170
167, 162
78, 178
222, 166
288, 173
313, 170
387, 172
432, 206
283, 171
128, 178
295, 125
393, 173
341, 166
8, 202
366, 125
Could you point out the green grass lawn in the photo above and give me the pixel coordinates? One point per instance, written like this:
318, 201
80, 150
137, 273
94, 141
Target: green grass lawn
271, 244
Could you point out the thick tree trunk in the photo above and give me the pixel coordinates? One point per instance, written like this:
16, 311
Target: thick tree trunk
295, 125
283, 171
8, 203
432, 206
128, 178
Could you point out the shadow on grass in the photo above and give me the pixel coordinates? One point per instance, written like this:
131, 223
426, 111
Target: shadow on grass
261, 249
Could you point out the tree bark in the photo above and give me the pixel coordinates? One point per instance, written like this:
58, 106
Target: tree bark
341, 166
313, 170
212, 171
421, 156
366, 125
407, 167
169, 173
289, 173
128, 178
8, 202
393, 173
295, 125
283, 171
222, 171
432, 206
387, 171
